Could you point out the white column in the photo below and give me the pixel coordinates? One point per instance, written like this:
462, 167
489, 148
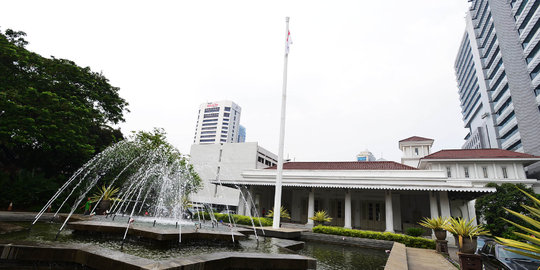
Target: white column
434, 210
348, 211
389, 211
357, 213
472, 211
396, 203
311, 207
445, 213
242, 204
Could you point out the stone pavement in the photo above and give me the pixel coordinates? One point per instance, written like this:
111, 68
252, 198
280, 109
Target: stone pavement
422, 259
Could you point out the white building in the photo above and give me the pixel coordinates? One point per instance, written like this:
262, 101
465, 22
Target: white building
218, 122
225, 162
385, 195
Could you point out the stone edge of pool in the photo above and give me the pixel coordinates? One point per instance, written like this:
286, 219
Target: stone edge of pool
101, 258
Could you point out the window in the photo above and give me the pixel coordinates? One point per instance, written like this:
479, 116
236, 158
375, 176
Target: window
209, 124
208, 132
416, 151
466, 170
316, 206
227, 109
215, 109
208, 128
484, 170
209, 120
448, 172
207, 140
226, 114
505, 172
339, 209
208, 136
211, 115
260, 159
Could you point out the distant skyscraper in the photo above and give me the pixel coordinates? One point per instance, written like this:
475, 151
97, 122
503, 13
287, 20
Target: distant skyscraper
218, 122
497, 70
365, 156
242, 134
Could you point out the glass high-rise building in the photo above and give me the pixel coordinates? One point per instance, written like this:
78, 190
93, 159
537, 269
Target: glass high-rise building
498, 75
218, 122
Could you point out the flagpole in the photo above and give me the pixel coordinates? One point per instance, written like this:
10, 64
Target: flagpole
279, 175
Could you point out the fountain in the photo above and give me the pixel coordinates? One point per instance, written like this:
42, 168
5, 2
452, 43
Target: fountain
155, 181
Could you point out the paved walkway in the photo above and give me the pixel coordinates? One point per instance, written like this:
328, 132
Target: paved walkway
421, 259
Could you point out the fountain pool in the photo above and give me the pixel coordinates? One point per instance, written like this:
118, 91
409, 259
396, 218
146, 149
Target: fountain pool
328, 256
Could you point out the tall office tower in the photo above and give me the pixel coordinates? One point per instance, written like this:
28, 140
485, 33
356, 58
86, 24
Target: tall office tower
242, 134
497, 70
218, 122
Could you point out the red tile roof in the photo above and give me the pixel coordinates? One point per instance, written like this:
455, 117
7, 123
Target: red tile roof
345, 165
416, 138
476, 153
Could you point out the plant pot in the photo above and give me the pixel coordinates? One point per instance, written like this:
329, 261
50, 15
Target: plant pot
467, 245
440, 234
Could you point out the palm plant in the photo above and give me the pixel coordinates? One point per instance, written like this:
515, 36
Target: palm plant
533, 236
466, 232
321, 217
463, 228
435, 224
283, 213
105, 194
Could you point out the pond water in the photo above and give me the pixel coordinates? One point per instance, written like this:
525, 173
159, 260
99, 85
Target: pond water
328, 256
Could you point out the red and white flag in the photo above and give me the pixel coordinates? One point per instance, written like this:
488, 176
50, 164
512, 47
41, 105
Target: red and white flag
289, 42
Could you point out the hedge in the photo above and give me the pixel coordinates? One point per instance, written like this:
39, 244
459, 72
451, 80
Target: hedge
238, 219
408, 241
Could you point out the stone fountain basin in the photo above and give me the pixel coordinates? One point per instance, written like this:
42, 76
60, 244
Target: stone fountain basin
158, 234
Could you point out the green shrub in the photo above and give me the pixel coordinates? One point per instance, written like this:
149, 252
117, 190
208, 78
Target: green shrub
238, 219
408, 241
415, 232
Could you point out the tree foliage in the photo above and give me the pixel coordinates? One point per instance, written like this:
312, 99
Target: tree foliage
490, 208
54, 114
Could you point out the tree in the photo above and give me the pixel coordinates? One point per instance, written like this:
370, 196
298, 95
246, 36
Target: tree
54, 114
491, 208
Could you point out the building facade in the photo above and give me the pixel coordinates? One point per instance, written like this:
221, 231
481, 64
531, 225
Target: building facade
497, 70
223, 162
385, 195
218, 122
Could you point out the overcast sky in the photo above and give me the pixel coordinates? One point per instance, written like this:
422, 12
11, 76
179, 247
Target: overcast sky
362, 74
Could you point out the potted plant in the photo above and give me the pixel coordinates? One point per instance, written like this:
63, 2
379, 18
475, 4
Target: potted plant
283, 213
466, 232
106, 194
320, 217
437, 225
